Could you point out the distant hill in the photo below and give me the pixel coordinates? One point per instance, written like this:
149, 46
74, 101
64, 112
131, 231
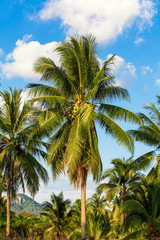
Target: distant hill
24, 203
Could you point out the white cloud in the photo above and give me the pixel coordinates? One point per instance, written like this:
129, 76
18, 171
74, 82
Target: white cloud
19, 63
157, 83
125, 72
105, 19
146, 69
147, 11
139, 41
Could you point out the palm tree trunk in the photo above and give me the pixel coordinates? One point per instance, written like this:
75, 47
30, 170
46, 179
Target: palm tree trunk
8, 199
83, 208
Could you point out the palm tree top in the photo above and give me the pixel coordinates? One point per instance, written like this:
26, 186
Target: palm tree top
16, 123
120, 178
75, 98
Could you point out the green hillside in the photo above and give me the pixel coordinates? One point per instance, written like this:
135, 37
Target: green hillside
24, 203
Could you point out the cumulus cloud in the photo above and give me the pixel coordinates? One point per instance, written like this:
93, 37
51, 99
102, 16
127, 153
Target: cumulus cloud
19, 63
125, 72
139, 41
105, 19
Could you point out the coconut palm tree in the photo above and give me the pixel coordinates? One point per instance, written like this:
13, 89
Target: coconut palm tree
149, 133
143, 209
57, 213
17, 155
73, 101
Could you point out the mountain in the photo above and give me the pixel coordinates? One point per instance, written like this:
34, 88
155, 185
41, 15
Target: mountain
24, 203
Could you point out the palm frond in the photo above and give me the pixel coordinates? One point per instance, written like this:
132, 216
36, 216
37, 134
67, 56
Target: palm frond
140, 135
120, 113
115, 131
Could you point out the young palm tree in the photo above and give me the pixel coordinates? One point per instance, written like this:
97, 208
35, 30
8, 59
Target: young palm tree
17, 158
75, 99
143, 209
98, 226
57, 212
149, 134
120, 180
97, 205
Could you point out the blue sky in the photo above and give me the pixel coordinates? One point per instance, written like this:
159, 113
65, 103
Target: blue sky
129, 29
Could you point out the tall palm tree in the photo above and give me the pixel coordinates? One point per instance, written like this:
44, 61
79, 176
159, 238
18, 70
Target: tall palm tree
143, 209
57, 212
149, 133
73, 101
120, 180
17, 155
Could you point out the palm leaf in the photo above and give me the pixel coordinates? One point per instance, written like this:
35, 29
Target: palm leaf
120, 113
115, 131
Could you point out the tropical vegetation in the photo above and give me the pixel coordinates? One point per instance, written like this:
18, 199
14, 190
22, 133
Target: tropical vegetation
60, 125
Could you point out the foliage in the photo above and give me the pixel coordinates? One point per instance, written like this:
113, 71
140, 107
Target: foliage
143, 209
74, 103
75, 221
57, 214
23, 228
18, 155
120, 179
98, 225
149, 134
16, 124
3, 203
